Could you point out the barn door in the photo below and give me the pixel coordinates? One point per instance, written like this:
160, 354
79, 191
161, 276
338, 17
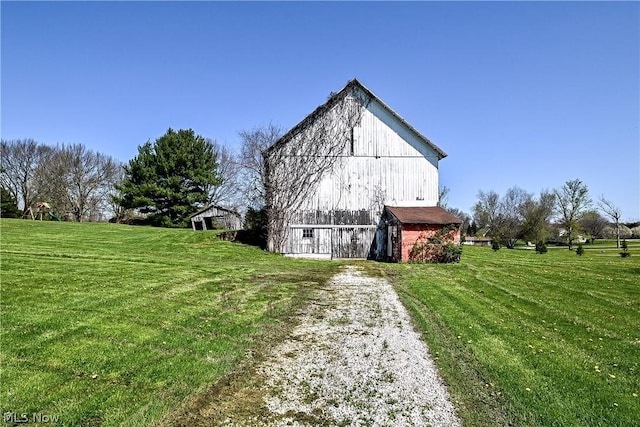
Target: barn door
391, 230
351, 242
341, 242
393, 243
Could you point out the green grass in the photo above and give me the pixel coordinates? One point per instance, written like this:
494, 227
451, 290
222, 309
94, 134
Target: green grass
105, 324
533, 340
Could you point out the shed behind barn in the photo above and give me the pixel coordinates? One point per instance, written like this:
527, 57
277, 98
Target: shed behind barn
214, 217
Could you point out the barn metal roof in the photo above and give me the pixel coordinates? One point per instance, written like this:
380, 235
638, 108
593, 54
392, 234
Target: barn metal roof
335, 98
423, 215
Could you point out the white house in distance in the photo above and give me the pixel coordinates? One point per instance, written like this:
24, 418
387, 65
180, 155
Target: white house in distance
330, 178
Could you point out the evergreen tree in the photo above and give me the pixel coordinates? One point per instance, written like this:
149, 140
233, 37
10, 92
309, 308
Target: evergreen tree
170, 178
473, 229
8, 205
625, 249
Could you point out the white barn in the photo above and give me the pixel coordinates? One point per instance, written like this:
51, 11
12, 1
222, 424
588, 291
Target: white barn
330, 177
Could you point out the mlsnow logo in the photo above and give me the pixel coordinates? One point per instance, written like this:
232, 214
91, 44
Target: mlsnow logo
12, 417
25, 418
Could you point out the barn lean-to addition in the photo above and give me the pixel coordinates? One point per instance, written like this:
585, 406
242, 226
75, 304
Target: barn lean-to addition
405, 226
331, 176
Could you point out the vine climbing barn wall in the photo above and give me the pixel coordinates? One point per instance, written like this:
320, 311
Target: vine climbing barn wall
385, 162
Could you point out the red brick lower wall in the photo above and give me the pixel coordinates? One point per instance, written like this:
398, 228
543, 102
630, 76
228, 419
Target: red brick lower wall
412, 232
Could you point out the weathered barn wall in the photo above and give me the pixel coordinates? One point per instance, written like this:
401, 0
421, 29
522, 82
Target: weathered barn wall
299, 242
381, 134
332, 234
384, 161
334, 217
336, 242
216, 217
383, 170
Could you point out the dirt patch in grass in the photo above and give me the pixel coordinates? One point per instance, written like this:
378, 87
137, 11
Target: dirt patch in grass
239, 394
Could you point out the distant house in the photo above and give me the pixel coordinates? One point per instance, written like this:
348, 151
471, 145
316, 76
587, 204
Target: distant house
478, 241
406, 225
214, 217
563, 236
330, 177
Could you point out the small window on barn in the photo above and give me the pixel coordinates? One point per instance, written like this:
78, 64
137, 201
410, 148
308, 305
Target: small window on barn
352, 148
307, 233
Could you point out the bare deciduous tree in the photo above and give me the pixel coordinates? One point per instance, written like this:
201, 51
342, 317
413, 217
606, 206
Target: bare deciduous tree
486, 209
517, 215
572, 199
465, 217
443, 196
593, 224
114, 208
78, 181
508, 227
252, 165
295, 165
19, 160
226, 194
536, 214
613, 212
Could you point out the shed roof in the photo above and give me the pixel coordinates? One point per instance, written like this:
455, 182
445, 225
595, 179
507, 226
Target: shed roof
334, 98
423, 215
232, 212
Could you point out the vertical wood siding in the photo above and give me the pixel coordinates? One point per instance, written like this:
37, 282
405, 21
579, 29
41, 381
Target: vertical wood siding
215, 216
386, 164
380, 134
334, 217
352, 242
319, 244
338, 242
385, 168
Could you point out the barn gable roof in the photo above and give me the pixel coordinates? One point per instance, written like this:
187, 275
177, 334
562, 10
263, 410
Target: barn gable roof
334, 98
423, 215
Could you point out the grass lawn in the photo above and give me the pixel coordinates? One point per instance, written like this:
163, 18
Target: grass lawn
105, 324
533, 340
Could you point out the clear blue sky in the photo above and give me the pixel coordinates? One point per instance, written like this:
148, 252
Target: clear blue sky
518, 94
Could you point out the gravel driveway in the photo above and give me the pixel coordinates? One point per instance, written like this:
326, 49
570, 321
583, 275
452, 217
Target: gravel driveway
354, 360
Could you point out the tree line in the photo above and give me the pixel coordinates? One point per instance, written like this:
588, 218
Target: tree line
170, 178
181, 172
75, 180
560, 215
